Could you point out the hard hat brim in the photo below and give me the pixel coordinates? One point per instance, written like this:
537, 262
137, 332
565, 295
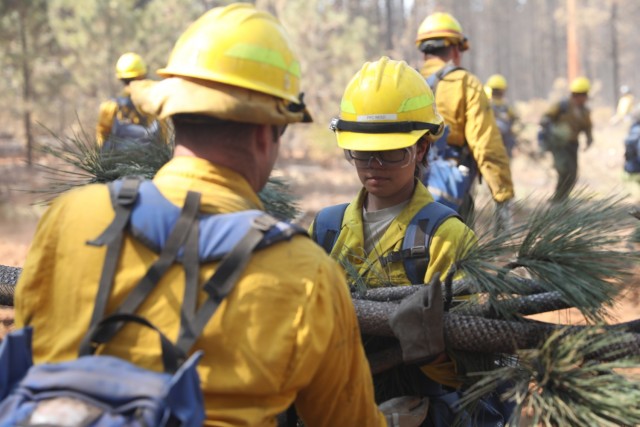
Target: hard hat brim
377, 141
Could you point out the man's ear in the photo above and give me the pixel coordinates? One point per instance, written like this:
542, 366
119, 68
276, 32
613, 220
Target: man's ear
263, 137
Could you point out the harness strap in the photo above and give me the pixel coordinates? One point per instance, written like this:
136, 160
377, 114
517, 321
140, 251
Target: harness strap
113, 236
327, 225
435, 78
153, 275
224, 279
191, 265
409, 253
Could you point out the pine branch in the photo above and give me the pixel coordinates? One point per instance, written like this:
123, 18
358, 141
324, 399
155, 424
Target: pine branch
558, 385
83, 162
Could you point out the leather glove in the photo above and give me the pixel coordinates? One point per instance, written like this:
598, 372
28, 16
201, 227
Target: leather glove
418, 324
503, 218
405, 411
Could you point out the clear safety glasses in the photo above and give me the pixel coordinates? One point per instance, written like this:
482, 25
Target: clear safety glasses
390, 159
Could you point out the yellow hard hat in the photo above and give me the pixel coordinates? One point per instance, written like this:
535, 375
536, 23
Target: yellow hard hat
497, 81
580, 85
387, 105
442, 29
239, 46
130, 66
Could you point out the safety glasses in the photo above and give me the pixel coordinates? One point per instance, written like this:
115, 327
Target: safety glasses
391, 159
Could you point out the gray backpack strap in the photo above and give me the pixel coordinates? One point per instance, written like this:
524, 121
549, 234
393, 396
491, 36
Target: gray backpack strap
435, 78
224, 279
123, 200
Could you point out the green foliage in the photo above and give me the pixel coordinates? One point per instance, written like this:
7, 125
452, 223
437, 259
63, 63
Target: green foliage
558, 386
571, 247
83, 162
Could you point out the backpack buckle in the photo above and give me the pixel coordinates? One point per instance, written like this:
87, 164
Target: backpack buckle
264, 222
128, 192
417, 251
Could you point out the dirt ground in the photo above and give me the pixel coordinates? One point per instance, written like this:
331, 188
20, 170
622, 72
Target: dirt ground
318, 184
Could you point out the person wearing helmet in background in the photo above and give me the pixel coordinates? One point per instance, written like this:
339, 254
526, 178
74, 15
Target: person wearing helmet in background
119, 121
505, 115
287, 331
560, 128
473, 139
388, 120
624, 108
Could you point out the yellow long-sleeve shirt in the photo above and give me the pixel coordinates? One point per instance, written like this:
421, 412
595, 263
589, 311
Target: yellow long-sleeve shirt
449, 243
286, 333
462, 103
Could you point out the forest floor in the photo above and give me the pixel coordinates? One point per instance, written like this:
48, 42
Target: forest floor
325, 182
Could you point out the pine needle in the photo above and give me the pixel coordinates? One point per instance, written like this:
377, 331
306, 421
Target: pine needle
557, 386
83, 162
572, 247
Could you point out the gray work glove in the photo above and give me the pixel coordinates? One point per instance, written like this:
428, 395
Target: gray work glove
503, 217
418, 323
405, 411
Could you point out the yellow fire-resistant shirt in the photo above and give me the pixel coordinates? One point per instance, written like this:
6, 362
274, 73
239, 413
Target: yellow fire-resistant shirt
287, 332
462, 103
449, 243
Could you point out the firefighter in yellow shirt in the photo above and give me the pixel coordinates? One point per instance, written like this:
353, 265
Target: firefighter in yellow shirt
474, 138
506, 117
624, 107
287, 331
393, 233
120, 124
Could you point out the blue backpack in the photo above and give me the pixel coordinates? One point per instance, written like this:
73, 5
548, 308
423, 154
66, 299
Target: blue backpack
415, 245
105, 391
130, 129
450, 170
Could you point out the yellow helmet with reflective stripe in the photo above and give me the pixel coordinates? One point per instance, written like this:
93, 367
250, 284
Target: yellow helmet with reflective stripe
497, 81
386, 105
239, 46
442, 29
580, 85
130, 66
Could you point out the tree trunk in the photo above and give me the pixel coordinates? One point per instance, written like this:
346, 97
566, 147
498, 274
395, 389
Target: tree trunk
26, 77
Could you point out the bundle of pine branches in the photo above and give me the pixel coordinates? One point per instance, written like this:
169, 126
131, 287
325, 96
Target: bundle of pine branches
81, 161
563, 255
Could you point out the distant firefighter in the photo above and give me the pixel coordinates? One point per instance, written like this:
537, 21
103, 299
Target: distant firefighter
120, 124
506, 117
560, 127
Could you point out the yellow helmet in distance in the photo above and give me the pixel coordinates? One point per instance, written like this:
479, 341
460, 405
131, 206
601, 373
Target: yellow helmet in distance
497, 81
440, 29
131, 66
387, 105
580, 85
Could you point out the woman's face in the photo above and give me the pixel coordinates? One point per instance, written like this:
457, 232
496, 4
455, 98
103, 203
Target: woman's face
387, 174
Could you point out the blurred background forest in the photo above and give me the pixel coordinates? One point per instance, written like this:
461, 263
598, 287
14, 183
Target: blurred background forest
58, 56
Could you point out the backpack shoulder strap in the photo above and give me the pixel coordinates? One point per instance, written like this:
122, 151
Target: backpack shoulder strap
435, 78
564, 106
181, 235
122, 199
327, 225
417, 239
